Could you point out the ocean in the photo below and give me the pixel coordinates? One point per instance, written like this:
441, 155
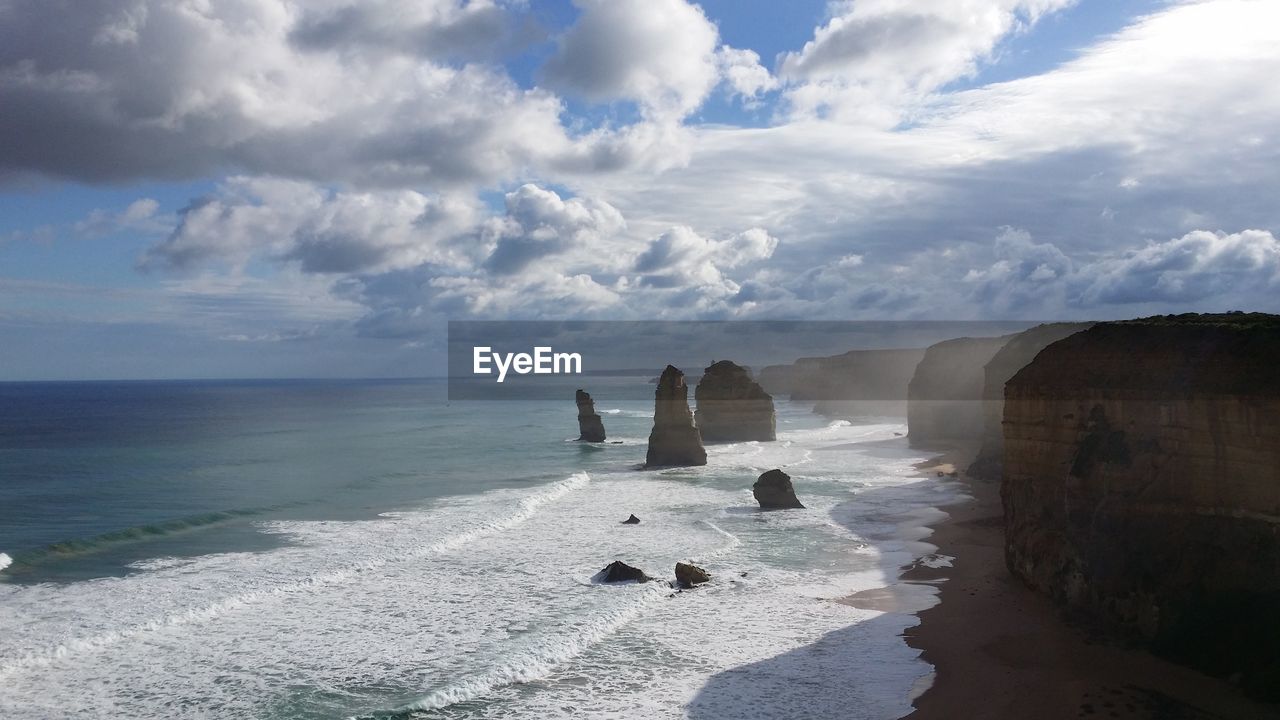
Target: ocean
367, 549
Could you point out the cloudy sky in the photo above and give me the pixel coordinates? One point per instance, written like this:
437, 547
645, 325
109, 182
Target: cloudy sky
265, 188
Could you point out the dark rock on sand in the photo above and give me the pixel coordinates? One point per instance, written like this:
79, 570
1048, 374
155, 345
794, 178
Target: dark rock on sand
732, 407
590, 427
618, 571
689, 575
674, 439
633, 520
773, 490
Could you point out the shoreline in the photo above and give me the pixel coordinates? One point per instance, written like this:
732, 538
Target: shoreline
1002, 652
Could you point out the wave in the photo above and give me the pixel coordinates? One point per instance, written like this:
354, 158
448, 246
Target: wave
354, 571
137, 534
527, 664
5, 561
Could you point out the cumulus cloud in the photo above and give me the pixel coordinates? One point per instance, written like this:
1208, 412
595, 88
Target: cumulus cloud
121, 89
539, 223
874, 57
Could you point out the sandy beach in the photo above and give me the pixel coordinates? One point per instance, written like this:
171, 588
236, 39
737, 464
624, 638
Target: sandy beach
1002, 652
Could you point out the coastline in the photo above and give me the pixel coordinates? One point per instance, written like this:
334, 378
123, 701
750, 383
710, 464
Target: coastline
1002, 652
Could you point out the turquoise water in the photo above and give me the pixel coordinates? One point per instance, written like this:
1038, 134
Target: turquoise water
353, 549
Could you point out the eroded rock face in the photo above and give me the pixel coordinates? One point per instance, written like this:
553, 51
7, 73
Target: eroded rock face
1142, 484
945, 403
774, 491
688, 575
674, 439
732, 407
859, 382
618, 571
590, 426
1016, 354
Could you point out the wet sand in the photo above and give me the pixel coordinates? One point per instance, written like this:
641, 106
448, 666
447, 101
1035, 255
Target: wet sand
1003, 652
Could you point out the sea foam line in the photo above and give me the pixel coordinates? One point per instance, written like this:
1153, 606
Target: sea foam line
529, 664
528, 508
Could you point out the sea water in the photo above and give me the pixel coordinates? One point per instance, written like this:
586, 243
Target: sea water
329, 549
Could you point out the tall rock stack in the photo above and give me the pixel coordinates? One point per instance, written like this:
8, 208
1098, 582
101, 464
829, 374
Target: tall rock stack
674, 440
944, 398
590, 427
732, 407
1015, 355
1142, 485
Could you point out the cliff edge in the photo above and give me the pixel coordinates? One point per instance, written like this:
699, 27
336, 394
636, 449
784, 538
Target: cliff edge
945, 403
1142, 485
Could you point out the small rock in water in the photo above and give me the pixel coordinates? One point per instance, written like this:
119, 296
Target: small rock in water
689, 575
773, 490
618, 571
633, 520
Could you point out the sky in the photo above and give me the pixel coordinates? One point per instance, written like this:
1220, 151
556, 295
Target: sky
289, 188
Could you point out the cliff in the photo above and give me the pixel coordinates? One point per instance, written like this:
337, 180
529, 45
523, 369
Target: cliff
674, 439
1142, 485
733, 407
590, 427
1016, 354
856, 382
945, 403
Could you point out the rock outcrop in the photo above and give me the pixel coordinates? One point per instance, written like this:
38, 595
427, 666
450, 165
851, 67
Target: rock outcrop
732, 407
674, 439
774, 491
1016, 354
1142, 485
944, 397
688, 575
590, 426
618, 571
631, 520
859, 382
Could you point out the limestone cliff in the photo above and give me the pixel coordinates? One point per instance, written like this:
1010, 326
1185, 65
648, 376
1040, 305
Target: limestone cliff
674, 439
1008, 360
732, 407
944, 397
590, 427
856, 382
1142, 485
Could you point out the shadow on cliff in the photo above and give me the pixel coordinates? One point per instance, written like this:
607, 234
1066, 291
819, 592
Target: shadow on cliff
863, 670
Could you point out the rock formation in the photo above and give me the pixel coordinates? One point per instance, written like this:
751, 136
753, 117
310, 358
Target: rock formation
688, 575
773, 490
731, 406
1142, 485
590, 427
618, 571
944, 397
632, 520
859, 382
1008, 360
674, 439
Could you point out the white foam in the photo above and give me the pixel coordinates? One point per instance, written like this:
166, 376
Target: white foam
5, 561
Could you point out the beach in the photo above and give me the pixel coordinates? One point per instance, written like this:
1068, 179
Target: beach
1002, 652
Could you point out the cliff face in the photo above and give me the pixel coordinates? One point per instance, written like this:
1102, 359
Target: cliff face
732, 407
674, 440
1142, 485
1016, 354
590, 427
945, 396
856, 382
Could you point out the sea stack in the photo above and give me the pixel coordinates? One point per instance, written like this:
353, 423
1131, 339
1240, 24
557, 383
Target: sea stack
1142, 485
688, 575
774, 491
674, 440
732, 407
590, 427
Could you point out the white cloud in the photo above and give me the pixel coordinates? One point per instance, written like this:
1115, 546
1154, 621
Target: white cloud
874, 58
539, 223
